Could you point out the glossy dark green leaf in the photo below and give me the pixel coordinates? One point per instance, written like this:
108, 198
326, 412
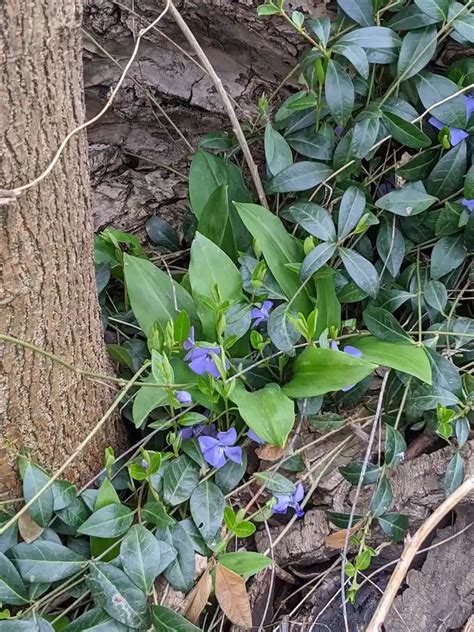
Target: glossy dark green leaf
411, 17
448, 254
406, 202
164, 619
162, 234
406, 133
351, 210
372, 37
395, 525
424, 397
12, 588
275, 482
313, 218
321, 27
230, 475
311, 144
207, 509
34, 479
180, 573
75, 514
140, 557
469, 184
383, 325
110, 521
238, 320
462, 21
395, 447
418, 48
281, 330
454, 474
341, 520
180, 479
448, 175
301, 176
382, 498
356, 55
433, 89
361, 271
278, 154
317, 258
391, 246
462, 430
361, 11
155, 513
95, 620
436, 295
352, 473
113, 591
9, 537
419, 167
445, 374
45, 562
434, 8
364, 136
214, 220
339, 92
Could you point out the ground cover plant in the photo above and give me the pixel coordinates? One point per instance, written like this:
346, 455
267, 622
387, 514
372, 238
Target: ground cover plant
347, 282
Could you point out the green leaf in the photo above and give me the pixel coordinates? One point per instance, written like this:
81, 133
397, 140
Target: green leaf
64, 494
364, 135
317, 258
162, 234
434, 8
391, 246
140, 557
44, 562
277, 151
207, 510
275, 482
267, 9
245, 563
406, 202
339, 92
356, 55
418, 48
383, 325
419, 167
206, 174
230, 475
9, 537
372, 37
462, 20
447, 255
320, 371
361, 271
321, 27
311, 144
436, 295
448, 175
382, 498
12, 588
154, 296
395, 525
113, 591
74, 514
341, 520
214, 220
351, 210
361, 11
164, 619
435, 88
111, 521
180, 573
454, 474
352, 472
238, 320
155, 513
406, 133
469, 184
395, 446
210, 266
146, 400
328, 306
301, 176
279, 249
268, 412
281, 330
180, 479
95, 620
408, 359
410, 17
313, 218
34, 479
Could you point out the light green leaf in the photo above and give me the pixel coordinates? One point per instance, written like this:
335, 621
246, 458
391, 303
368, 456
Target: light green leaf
435, 88
140, 557
408, 359
406, 202
146, 400
111, 521
301, 176
207, 509
406, 133
164, 619
313, 218
153, 294
448, 174
361, 271
206, 174
113, 591
418, 48
275, 482
320, 371
277, 151
34, 479
447, 255
317, 258
12, 588
339, 92
351, 210
268, 412
329, 308
279, 249
44, 562
245, 563
180, 479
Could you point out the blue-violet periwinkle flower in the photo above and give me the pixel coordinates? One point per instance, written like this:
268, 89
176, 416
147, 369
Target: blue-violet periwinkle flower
189, 432
456, 135
184, 397
254, 437
217, 450
286, 501
354, 352
261, 314
202, 359
144, 464
469, 204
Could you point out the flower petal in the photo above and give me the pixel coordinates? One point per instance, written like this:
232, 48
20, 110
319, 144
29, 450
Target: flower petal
254, 437
298, 494
469, 204
282, 504
353, 351
234, 453
436, 122
469, 106
456, 135
229, 437
184, 397
215, 456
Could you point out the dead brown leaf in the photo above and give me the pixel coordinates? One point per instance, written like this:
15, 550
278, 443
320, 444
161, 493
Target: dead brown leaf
198, 597
337, 540
270, 453
28, 529
233, 598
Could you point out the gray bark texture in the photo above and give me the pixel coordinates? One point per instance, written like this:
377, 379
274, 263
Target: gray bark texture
134, 146
47, 293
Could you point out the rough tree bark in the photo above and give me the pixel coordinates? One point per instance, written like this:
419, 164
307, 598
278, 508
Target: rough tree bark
47, 294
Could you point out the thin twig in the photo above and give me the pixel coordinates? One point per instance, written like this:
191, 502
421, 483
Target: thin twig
410, 551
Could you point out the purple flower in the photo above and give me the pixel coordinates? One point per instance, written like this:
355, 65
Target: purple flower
339, 131
189, 432
469, 105
260, 314
284, 501
216, 451
184, 397
144, 464
202, 359
456, 135
469, 204
254, 437
353, 351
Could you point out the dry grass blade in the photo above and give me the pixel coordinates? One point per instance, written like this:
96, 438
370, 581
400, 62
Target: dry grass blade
337, 539
233, 598
198, 597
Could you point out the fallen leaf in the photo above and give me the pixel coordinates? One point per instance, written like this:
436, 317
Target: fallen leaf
270, 453
29, 530
233, 598
337, 540
198, 597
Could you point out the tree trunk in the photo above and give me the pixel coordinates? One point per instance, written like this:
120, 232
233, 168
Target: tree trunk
48, 294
